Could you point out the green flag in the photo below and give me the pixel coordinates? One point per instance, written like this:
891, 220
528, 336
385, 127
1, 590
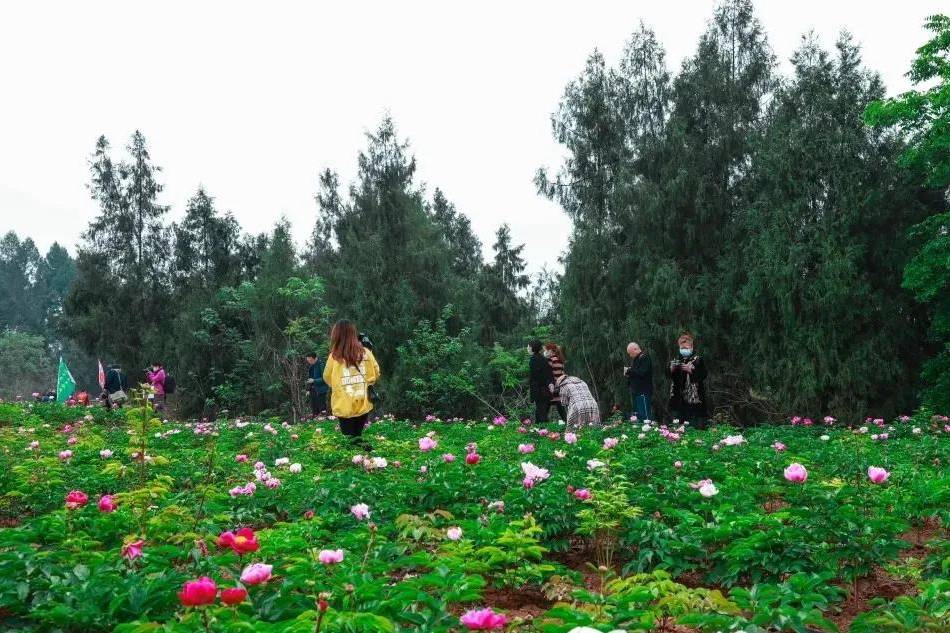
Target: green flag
65, 385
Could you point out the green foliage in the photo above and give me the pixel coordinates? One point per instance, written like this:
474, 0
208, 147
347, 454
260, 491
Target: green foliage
25, 364
923, 115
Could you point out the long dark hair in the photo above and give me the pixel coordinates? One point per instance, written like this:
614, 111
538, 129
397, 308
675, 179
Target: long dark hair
345, 345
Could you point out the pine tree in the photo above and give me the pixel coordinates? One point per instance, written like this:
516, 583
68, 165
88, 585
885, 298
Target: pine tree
381, 254
822, 191
119, 306
503, 307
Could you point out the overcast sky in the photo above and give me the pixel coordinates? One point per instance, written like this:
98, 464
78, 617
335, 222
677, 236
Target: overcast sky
253, 100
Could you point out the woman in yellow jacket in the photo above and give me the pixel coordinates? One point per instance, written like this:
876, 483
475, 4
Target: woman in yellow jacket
349, 372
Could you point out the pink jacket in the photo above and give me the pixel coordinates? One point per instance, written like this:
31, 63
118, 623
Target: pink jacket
157, 379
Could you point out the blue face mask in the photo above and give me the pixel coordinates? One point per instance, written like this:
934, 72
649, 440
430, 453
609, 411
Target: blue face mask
686, 352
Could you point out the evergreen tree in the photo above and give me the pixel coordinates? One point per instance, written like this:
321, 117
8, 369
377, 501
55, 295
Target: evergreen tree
380, 252
464, 247
503, 306
20, 268
119, 308
206, 246
819, 315
611, 122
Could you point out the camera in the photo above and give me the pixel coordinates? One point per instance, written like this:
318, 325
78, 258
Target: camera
365, 341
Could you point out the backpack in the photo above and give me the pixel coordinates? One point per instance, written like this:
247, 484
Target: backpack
170, 384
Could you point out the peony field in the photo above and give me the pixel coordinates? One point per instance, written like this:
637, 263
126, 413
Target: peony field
123, 521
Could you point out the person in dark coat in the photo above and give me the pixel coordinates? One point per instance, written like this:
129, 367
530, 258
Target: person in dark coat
316, 386
117, 386
540, 382
639, 375
688, 384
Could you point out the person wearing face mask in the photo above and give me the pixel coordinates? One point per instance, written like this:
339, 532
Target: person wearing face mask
688, 384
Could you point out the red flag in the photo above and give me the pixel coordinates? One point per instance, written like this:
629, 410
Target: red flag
102, 376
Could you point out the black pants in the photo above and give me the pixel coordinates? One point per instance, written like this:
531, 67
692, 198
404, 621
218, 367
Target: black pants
318, 402
697, 419
353, 427
542, 409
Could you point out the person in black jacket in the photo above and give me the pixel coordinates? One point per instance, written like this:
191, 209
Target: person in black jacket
540, 381
117, 386
316, 386
639, 375
688, 384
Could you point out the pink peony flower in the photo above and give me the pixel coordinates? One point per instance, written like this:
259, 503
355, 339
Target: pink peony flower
796, 473
448, 458
296, 468
453, 533
256, 574
583, 494
570, 438
72, 440
65, 456
273, 482
472, 458
610, 442
76, 499
240, 458
708, 489
778, 446
198, 592
500, 420
133, 550
243, 541
677, 464
524, 449
878, 475
534, 473
483, 620
426, 444
330, 556
360, 511
107, 504
105, 453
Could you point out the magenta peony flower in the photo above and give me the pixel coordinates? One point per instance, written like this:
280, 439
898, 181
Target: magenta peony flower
360, 511
583, 494
76, 499
256, 574
133, 550
233, 595
483, 620
107, 503
330, 556
796, 473
878, 475
198, 592
472, 458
